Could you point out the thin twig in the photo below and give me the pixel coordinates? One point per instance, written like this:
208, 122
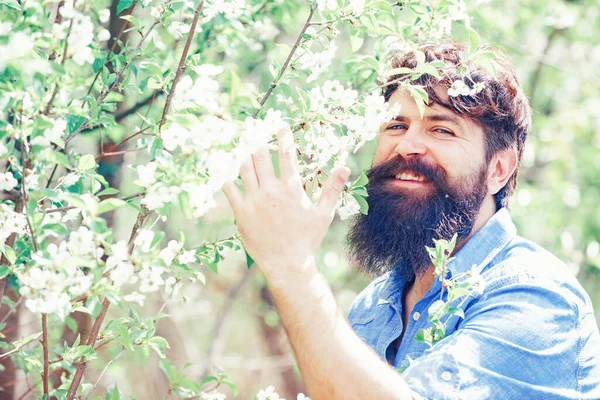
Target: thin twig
33, 340
63, 209
112, 49
118, 153
45, 351
91, 339
285, 64
117, 81
103, 371
181, 66
123, 114
64, 58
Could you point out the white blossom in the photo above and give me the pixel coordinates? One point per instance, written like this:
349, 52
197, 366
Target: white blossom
214, 395
459, 88
266, 30
316, 62
177, 29
167, 255
144, 240
230, 8
150, 278
7, 181
478, 87
187, 257
104, 15
323, 5
357, 6
174, 136
103, 35
475, 280
146, 173
350, 208
268, 394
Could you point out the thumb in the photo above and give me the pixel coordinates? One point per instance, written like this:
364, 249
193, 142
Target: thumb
332, 189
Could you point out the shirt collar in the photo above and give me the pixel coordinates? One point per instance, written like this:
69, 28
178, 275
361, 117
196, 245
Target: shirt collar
479, 251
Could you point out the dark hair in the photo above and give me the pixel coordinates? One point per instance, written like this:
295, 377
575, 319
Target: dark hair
501, 108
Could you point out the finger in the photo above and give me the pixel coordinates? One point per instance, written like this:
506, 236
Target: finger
234, 196
263, 166
288, 158
332, 189
248, 175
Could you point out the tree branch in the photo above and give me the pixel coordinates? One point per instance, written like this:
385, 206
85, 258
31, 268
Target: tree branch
181, 66
45, 351
105, 304
286, 63
124, 114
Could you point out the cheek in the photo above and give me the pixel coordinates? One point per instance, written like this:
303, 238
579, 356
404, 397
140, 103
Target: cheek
384, 150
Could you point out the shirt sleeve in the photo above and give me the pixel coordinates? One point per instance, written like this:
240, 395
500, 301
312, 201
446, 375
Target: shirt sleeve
519, 340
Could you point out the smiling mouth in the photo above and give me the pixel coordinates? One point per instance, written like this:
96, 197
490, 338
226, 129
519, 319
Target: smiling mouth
409, 176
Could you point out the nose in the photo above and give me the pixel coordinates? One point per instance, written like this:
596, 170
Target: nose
411, 143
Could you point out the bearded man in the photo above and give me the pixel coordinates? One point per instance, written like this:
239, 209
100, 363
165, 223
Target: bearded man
530, 334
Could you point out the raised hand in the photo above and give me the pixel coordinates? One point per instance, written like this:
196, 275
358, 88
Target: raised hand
280, 227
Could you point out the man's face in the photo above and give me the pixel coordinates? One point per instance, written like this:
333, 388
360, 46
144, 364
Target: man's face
428, 181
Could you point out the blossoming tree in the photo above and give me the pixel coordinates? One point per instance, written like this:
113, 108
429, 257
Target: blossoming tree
186, 91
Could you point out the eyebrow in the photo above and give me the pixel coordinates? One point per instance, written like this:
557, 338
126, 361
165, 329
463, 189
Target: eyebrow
435, 117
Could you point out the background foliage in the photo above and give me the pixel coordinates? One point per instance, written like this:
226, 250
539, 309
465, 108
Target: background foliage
231, 321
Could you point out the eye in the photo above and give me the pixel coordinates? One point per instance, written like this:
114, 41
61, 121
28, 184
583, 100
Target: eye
444, 131
395, 127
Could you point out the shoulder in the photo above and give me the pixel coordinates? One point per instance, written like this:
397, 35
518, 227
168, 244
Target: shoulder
363, 306
526, 265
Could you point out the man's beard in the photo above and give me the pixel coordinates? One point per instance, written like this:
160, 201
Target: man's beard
401, 222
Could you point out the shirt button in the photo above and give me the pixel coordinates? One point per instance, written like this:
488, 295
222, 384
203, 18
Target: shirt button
446, 376
416, 315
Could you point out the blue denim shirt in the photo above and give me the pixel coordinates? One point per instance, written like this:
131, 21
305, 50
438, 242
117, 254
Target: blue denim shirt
531, 334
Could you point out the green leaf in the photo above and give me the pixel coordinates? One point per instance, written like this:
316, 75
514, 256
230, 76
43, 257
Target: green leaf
356, 42
399, 71
231, 385
158, 344
108, 191
98, 64
437, 310
87, 162
208, 379
360, 190
113, 393
10, 254
58, 229
249, 260
473, 41
11, 3
362, 202
110, 204
123, 5
4, 271
362, 179
457, 311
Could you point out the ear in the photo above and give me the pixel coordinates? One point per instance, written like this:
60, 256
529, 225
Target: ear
501, 168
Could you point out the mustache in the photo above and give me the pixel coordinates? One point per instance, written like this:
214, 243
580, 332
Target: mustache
399, 164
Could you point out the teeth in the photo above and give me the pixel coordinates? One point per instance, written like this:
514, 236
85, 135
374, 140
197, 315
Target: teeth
409, 176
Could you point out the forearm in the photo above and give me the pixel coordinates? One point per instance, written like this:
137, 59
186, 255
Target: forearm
335, 363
